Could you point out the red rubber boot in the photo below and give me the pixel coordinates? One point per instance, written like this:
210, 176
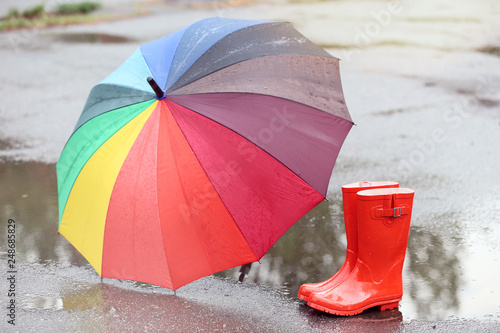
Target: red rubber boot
349, 200
376, 280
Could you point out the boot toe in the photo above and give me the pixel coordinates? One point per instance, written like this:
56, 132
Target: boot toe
305, 291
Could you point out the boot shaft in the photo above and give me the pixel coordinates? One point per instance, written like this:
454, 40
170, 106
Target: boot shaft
384, 223
350, 203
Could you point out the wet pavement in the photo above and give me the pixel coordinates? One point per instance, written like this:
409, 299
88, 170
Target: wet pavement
422, 83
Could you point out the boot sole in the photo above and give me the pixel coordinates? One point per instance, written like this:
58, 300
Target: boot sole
383, 305
303, 297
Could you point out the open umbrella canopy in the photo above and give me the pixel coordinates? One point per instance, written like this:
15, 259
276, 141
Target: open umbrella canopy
201, 150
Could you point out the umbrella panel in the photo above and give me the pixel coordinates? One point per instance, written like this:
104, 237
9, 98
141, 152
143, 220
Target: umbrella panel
84, 216
287, 76
85, 141
175, 221
130, 249
171, 56
197, 197
262, 195
198, 186
285, 129
271, 38
98, 101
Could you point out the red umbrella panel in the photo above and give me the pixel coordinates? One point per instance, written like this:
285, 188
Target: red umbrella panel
203, 166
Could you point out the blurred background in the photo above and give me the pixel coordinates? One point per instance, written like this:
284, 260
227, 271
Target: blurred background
422, 83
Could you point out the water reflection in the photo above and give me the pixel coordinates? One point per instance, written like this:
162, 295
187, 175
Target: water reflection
370, 321
84, 297
312, 250
29, 196
434, 273
68, 37
43, 303
132, 310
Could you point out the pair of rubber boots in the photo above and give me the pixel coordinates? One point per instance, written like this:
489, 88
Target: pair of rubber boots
377, 222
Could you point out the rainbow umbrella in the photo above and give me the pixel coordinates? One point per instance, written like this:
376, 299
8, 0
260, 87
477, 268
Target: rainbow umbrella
201, 150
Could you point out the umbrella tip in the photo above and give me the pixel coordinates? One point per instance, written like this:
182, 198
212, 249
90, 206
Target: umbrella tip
160, 94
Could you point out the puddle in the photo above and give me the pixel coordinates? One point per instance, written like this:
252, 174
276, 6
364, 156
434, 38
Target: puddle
69, 37
28, 194
493, 50
8, 145
438, 281
448, 271
78, 298
44, 303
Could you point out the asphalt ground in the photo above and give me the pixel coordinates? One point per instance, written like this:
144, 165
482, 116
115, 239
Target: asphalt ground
422, 83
